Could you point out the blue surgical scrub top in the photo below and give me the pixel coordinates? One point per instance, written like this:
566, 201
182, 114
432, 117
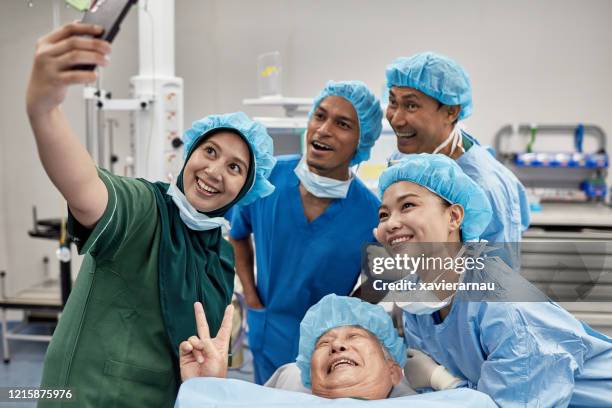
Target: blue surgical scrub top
299, 262
505, 192
526, 354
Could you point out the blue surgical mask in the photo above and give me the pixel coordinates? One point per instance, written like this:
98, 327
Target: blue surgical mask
319, 186
192, 218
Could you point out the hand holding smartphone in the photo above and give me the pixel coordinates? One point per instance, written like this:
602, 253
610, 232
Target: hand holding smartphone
107, 14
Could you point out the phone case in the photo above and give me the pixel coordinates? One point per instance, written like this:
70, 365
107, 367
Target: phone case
108, 14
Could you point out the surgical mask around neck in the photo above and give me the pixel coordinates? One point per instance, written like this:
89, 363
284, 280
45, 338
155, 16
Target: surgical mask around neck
426, 302
454, 138
319, 186
191, 217
424, 308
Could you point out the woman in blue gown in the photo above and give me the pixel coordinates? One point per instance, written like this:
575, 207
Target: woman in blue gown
532, 354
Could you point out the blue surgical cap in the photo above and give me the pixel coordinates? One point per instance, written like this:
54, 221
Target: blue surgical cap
368, 111
335, 311
435, 75
442, 176
258, 140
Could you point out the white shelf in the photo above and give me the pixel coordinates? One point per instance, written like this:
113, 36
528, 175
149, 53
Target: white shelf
573, 214
291, 105
283, 123
278, 101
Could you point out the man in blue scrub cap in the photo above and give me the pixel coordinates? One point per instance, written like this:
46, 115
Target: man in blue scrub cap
522, 354
429, 96
309, 232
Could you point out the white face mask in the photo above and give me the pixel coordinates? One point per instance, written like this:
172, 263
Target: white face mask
454, 138
319, 186
424, 308
192, 218
426, 302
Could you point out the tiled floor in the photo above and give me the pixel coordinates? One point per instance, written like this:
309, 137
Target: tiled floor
25, 368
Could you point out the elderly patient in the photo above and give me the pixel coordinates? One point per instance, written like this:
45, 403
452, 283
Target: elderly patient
347, 348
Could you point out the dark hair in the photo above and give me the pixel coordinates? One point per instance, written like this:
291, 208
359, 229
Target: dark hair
440, 105
444, 203
204, 137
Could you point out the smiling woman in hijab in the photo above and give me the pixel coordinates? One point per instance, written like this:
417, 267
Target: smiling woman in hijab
151, 249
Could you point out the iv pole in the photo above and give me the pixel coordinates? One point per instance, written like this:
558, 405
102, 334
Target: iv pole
156, 105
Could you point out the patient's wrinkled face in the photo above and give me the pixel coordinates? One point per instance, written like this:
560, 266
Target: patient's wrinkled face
349, 361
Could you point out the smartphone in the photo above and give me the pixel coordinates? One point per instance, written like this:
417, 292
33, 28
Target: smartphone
108, 14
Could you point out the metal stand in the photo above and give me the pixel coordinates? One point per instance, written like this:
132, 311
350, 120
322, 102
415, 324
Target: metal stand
42, 302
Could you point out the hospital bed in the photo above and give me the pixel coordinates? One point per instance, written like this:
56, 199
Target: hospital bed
219, 392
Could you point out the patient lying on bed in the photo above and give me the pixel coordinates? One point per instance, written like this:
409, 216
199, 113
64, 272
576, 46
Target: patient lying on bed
348, 348
349, 352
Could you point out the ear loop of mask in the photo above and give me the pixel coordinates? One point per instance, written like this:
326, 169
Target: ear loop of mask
455, 138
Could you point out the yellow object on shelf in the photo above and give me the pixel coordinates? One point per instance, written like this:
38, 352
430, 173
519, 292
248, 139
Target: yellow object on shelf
370, 172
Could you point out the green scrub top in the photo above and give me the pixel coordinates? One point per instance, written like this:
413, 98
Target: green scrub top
110, 346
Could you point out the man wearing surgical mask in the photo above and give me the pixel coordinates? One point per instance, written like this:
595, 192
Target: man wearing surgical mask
308, 234
429, 97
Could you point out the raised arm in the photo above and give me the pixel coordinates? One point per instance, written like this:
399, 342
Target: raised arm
64, 158
243, 253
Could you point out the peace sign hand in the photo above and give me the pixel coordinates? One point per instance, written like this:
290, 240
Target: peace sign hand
202, 356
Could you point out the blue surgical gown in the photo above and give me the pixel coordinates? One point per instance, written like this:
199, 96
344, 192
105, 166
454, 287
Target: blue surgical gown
526, 354
505, 192
299, 262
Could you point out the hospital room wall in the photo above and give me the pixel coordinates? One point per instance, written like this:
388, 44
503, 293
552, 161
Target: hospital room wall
23, 182
545, 61
2, 193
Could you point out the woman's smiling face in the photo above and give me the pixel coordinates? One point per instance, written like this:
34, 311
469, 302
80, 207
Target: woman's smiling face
216, 171
411, 213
